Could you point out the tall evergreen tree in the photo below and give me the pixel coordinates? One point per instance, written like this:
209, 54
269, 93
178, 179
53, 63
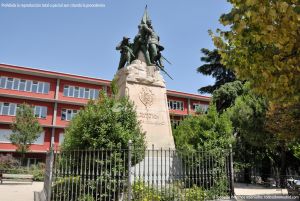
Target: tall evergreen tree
214, 68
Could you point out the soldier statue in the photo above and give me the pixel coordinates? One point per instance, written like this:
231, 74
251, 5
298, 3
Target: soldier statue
154, 47
127, 55
147, 42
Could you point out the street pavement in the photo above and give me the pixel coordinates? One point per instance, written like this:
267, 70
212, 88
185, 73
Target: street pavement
244, 192
260, 193
18, 191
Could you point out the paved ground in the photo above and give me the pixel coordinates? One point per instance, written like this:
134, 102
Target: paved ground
260, 193
24, 192
19, 191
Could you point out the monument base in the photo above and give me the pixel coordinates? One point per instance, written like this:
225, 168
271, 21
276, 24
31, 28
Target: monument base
145, 86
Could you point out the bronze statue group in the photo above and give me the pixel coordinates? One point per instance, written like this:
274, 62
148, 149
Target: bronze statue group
146, 41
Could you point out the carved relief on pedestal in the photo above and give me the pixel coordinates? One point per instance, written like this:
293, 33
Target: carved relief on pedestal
146, 97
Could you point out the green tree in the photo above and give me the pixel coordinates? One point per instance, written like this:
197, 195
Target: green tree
104, 123
225, 95
206, 131
262, 46
26, 129
206, 139
216, 69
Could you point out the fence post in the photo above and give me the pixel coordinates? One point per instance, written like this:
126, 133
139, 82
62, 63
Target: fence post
231, 172
51, 158
129, 170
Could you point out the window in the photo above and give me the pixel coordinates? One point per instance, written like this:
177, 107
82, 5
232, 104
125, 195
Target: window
16, 84
46, 88
22, 85
66, 91
61, 138
63, 114
175, 122
9, 83
4, 135
197, 107
92, 92
71, 91
86, 93
80, 92
28, 85
5, 109
68, 114
34, 87
2, 82
96, 93
40, 139
40, 112
175, 105
12, 109
76, 92
40, 87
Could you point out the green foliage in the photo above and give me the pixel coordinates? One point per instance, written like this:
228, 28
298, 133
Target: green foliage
10, 165
206, 138
37, 171
225, 96
104, 123
295, 148
262, 46
62, 188
175, 192
86, 198
207, 131
195, 194
284, 121
26, 128
248, 115
8, 162
214, 68
107, 125
142, 192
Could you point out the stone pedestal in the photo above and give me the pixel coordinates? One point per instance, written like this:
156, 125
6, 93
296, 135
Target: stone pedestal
145, 86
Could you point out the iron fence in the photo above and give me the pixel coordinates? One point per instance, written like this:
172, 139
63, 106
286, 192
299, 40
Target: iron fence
141, 175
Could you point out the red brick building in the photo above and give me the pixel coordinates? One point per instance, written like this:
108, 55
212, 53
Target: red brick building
56, 98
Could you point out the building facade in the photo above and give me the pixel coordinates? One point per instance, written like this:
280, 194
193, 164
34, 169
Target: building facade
56, 97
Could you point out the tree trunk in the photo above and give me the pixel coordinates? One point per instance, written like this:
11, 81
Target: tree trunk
247, 170
283, 166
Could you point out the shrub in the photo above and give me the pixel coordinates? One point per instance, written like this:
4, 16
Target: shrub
8, 162
142, 192
37, 171
64, 188
106, 125
195, 194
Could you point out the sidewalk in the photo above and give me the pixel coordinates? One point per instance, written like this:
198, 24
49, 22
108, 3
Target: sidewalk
19, 191
260, 193
251, 189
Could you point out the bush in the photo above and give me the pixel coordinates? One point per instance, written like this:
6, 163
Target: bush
106, 125
8, 162
142, 192
10, 165
37, 171
64, 188
195, 194
175, 192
